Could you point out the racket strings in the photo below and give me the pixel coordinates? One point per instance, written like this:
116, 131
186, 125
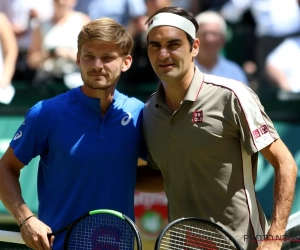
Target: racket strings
102, 231
194, 237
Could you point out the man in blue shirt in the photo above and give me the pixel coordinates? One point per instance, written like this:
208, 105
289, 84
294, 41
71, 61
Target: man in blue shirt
89, 140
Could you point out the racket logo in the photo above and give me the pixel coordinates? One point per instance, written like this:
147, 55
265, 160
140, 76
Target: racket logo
106, 237
194, 241
126, 119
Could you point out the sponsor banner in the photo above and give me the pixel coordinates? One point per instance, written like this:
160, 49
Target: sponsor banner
151, 213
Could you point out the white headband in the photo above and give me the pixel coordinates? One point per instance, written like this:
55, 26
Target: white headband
174, 20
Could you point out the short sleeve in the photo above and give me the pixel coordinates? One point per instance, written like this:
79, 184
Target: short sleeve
256, 128
30, 140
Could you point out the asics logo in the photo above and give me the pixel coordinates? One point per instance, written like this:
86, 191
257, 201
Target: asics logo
18, 135
126, 119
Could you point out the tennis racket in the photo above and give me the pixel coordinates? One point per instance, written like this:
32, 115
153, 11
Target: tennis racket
98, 229
195, 233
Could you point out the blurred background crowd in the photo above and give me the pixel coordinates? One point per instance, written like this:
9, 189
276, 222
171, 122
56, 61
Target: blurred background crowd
253, 41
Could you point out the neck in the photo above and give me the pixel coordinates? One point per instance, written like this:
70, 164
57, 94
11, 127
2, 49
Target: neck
175, 90
105, 96
208, 62
61, 15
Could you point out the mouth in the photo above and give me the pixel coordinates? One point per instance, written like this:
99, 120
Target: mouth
96, 75
166, 65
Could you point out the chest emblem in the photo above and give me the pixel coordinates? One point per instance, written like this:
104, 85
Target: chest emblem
197, 116
126, 119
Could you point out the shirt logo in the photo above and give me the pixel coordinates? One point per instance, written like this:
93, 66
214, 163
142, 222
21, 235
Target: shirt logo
260, 131
17, 135
197, 116
264, 129
126, 119
256, 133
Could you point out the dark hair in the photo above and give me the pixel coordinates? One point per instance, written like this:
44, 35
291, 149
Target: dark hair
181, 12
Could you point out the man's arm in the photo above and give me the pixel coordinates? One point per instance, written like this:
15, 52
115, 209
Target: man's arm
10, 51
278, 155
277, 77
233, 10
10, 190
34, 232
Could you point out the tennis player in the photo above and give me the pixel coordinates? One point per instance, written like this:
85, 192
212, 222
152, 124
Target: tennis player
204, 134
82, 138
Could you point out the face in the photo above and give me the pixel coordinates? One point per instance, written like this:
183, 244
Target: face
211, 38
154, 5
169, 53
101, 65
66, 4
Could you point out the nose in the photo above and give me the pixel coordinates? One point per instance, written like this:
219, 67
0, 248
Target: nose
211, 37
98, 64
163, 54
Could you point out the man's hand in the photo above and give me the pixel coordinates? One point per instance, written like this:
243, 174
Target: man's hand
270, 245
35, 234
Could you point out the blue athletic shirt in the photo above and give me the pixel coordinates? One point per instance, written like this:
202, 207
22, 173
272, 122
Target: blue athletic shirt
87, 161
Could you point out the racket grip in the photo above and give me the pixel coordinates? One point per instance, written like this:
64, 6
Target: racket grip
12, 237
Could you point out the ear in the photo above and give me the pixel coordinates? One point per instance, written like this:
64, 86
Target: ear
195, 49
78, 60
223, 41
126, 63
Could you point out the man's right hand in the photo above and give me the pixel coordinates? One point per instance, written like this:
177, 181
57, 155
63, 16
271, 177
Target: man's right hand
35, 234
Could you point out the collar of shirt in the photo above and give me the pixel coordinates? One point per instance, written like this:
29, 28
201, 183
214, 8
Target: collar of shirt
94, 103
192, 93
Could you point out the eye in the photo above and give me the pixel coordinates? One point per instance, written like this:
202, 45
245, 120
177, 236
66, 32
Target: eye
108, 58
154, 45
88, 56
174, 45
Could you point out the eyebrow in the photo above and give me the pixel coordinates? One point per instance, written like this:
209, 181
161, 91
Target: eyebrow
112, 53
170, 41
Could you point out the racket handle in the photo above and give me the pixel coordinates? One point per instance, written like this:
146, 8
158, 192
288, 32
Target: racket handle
12, 237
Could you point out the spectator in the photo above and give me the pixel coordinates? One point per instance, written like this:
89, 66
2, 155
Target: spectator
8, 58
212, 34
214, 5
275, 20
54, 46
141, 70
123, 11
154, 5
192, 6
22, 15
282, 65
